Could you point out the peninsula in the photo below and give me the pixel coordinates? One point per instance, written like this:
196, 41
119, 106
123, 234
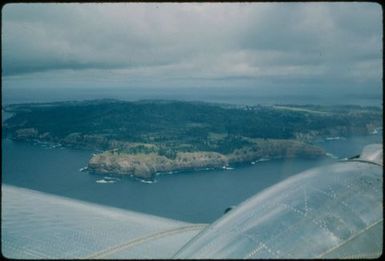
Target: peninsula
146, 137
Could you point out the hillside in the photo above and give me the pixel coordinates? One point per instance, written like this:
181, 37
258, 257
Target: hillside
145, 137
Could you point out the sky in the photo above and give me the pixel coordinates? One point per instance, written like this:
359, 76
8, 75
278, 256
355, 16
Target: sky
277, 47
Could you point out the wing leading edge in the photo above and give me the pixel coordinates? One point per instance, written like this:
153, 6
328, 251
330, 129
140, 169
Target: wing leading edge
37, 225
334, 211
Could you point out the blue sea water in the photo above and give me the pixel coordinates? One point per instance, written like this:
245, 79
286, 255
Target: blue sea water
245, 96
200, 196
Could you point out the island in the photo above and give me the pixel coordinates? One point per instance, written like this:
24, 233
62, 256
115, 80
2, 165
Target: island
147, 137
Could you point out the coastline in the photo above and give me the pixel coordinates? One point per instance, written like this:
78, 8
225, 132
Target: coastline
148, 137
147, 165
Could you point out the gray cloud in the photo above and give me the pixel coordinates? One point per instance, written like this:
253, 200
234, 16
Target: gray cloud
188, 44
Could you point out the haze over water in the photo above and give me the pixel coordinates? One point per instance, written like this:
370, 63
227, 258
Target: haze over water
236, 95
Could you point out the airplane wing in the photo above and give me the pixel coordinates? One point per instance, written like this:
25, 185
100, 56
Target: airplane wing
37, 225
334, 211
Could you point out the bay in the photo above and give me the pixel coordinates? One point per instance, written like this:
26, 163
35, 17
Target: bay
200, 196
196, 196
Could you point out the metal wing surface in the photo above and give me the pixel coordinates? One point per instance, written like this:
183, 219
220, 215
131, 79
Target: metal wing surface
37, 225
334, 211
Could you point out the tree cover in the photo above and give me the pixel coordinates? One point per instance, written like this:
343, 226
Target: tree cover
177, 126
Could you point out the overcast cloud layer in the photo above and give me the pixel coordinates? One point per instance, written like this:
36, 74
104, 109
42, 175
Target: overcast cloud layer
255, 45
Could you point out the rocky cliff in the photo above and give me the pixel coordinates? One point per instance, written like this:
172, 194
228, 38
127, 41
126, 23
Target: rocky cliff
146, 165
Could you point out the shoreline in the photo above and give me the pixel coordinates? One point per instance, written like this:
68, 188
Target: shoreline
143, 139
152, 179
232, 167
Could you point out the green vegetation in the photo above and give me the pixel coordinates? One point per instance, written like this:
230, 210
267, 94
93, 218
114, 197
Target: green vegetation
170, 128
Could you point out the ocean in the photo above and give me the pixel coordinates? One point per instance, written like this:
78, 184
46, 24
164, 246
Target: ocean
245, 96
199, 196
